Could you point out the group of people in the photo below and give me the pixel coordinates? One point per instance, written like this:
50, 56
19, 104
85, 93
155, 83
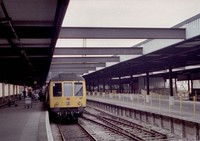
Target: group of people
34, 95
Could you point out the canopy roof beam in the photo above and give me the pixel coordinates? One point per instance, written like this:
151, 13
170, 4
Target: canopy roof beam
72, 69
122, 33
86, 59
98, 51
78, 65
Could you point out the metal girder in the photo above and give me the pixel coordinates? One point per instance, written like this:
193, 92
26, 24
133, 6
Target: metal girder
78, 65
72, 69
27, 32
122, 33
86, 59
98, 51
53, 74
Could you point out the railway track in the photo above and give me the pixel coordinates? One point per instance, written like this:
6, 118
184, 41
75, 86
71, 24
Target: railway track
101, 126
102, 132
136, 131
74, 132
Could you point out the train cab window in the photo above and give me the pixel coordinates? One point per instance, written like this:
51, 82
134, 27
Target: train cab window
68, 89
78, 89
57, 89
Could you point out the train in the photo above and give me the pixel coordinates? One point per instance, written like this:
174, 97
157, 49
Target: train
66, 96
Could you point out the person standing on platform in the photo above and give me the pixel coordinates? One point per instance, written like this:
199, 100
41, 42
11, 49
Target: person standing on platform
24, 94
30, 94
40, 95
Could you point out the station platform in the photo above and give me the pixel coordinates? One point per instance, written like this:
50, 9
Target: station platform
184, 111
179, 121
24, 124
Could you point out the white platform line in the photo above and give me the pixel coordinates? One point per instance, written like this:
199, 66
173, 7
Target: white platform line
48, 129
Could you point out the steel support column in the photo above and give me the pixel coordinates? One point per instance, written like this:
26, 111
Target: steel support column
103, 85
175, 83
98, 85
189, 88
171, 97
147, 78
86, 84
89, 84
171, 82
192, 86
131, 84
110, 87
120, 85
93, 85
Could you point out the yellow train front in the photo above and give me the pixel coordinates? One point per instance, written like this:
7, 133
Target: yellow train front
67, 96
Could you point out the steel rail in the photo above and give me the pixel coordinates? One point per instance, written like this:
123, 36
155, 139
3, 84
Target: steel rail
128, 122
82, 128
61, 133
151, 133
143, 130
114, 129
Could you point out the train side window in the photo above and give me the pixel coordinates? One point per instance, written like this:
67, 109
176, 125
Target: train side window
57, 89
78, 89
68, 89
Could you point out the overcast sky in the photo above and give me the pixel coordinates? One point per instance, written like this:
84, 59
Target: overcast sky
130, 13
125, 13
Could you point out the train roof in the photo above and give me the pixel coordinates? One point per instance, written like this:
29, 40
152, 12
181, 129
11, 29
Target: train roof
67, 77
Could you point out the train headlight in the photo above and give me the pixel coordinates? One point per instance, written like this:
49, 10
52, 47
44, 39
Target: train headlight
79, 103
56, 104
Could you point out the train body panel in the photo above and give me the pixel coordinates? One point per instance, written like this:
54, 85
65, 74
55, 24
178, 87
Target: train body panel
67, 102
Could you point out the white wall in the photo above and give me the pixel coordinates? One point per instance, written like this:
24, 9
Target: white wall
196, 84
11, 89
1, 90
6, 89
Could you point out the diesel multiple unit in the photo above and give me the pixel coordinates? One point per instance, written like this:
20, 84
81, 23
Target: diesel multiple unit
66, 96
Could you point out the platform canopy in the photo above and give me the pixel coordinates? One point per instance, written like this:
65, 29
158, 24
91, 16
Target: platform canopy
182, 55
28, 33
98, 32
87, 54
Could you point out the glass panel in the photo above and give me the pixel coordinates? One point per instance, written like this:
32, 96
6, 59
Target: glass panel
68, 89
57, 89
78, 89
